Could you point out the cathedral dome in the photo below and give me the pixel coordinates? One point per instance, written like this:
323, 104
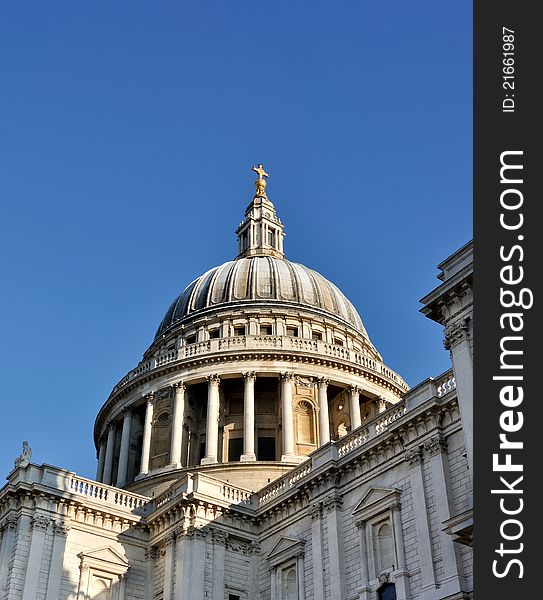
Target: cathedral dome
269, 280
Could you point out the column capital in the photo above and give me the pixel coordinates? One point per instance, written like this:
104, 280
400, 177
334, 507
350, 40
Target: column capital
361, 524
287, 376
40, 521
435, 445
333, 501
62, 528
213, 379
455, 333
413, 456
111, 424
315, 511
249, 375
355, 389
219, 536
396, 506
150, 397
179, 386
151, 553
10, 524
127, 410
322, 382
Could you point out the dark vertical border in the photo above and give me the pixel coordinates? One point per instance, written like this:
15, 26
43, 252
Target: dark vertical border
495, 132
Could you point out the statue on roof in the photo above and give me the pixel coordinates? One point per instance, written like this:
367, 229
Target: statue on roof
23, 460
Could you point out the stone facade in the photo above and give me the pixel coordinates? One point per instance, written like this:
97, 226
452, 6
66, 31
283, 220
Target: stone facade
260, 450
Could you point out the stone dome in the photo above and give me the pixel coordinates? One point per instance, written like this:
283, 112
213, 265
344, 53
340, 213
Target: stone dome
261, 280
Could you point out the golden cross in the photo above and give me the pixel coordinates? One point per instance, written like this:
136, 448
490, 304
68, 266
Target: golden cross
260, 171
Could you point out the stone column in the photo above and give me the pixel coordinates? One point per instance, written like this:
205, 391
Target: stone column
177, 429
101, 460
324, 418
354, 398
8, 539
332, 505
451, 579
61, 529
110, 450
147, 429
212, 424
413, 456
363, 545
249, 417
402, 577
219, 553
40, 523
125, 447
167, 551
197, 572
315, 510
457, 340
182, 565
254, 564
151, 554
288, 417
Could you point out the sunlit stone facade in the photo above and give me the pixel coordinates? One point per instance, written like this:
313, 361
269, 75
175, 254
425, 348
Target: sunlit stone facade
260, 450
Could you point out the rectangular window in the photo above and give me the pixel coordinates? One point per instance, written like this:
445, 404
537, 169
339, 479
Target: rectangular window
338, 342
317, 336
191, 339
266, 330
266, 448
214, 334
235, 449
234, 597
292, 331
239, 330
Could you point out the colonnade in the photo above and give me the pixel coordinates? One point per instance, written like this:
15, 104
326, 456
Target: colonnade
106, 451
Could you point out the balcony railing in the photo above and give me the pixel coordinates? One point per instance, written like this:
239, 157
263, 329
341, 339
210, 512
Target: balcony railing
264, 342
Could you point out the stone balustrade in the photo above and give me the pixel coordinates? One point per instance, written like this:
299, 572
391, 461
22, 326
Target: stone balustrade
264, 342
445, 384
107, 495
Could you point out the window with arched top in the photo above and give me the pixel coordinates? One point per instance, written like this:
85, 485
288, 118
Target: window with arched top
383, 547
101, 589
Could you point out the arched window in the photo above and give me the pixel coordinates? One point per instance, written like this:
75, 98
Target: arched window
160, 444
289, 584
384, 547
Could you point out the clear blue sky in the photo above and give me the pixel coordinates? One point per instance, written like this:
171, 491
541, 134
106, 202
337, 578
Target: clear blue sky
127, 133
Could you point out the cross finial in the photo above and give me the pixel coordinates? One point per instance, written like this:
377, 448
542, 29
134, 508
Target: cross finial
260, 171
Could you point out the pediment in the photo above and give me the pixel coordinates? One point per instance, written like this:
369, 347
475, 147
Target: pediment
106, 557
285, 549
376, 500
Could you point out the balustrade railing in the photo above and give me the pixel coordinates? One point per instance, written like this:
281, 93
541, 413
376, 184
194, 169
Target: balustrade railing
445, 384
259, 342
107, 494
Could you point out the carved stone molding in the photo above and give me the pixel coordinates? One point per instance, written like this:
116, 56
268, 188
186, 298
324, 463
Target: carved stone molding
180, 386
213, 379
413, 456
355, 389
436, 444
315, 511
10, 524
40, 521
62, 528
322, 382
333, 502
384, 577
249, 375
287, 376
255, 549
219, 536
455, 333
152, 553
